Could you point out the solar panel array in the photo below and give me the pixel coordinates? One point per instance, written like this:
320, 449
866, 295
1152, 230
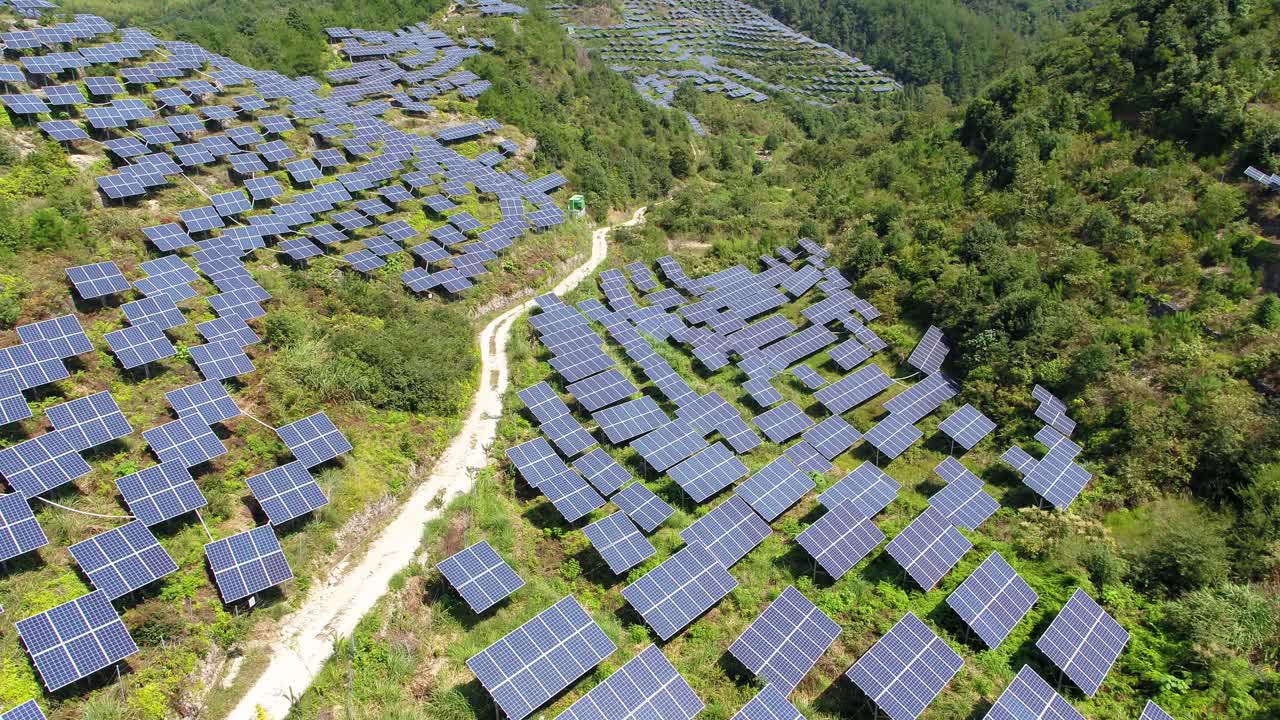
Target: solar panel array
785, 642
928, 548
684, 586
1084, 642
730, 531
841, 538
123, 559
906, 669
867, 486
75, 639
647, 686
89, 421
26, 711
480, 576
314, 439
533, 663
161, 492
992, 600
247, 563
1029, 696
769, 704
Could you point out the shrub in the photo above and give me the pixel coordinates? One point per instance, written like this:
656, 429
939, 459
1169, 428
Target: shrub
1225, 618
1182, 548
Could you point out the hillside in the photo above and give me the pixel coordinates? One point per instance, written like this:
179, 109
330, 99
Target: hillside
1057, 191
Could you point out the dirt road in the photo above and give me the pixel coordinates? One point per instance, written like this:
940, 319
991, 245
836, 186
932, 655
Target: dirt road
332, 609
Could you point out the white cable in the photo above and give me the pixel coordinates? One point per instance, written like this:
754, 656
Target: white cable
85, 512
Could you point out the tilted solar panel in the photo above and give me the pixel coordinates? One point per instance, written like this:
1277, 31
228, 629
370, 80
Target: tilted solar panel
480, 576
41, 463
75, 639
26, 711
668, 445
206, 400
967, 426
1084, 641
769, 704
187, 439
785, 642
138, 345
841, 538
13, 404
286, 492
123, 559
1029, 697
161, 492
314, 439
19, 531
708, 472
929, 547
684, 586
572, 496
964, 501
89, 421
568, 435
1153, 711
783, 422
647, 686
619, 542
64, 334
854, 389
992, 600
730, 531
775, 487
97, 280
601, 390
536, 461
643, 506
906, 669
930, 352
247, 563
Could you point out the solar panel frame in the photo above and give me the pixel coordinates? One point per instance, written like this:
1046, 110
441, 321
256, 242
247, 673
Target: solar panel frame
669, 444
967, 426
221, 359
841, 538
785, 642
673, 594
905, 669
993, 600
964, 501
619, 542
930, 352
480, 576
730, 530
783, 422
543, 402
602, 389
707, 472
41, 463
568, 435
75, 639
247, 563
123, 559
535, 461
572, 496
1084, 642
97, 280
854, 389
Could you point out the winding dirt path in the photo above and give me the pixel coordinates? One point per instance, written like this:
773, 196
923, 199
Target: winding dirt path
305, 639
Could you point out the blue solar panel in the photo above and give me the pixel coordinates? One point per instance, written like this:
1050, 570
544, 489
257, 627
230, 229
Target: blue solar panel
668, 445
536, 461
122, 560
97, 280
893, 435
33, 363
963, 501
930, 352
221, 359
206, 400
160, 310
643, 506
619, 542
783, 422
1057, 477
602, 471
647, 686
684, 586
967, 426
26, 711
832, 437
775, 487
140, 344
480, 576
64, 334
769, 704
286, 492
1084, 641
854, 389
1153, 711
928, 548
13, 405
19, 531
841, 538
536, 661
314, 439
161, 492
187, 439
572, 497
247, 563
601, 390
992, 600
785, 642
730, 531
906, 669
708, 472
1029, 696
568, 435
75, 639
41, 463
89, 421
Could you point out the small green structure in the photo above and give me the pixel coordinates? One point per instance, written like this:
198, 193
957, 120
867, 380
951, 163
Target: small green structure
578, 205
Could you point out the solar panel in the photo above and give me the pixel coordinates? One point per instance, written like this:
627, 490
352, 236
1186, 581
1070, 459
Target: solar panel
601, 390
644, 507
33, 363
123, 559
922, 398
286, 492
161, 492
906, 669
313, 439
97, 280
775, 487
63, 335
602, 471
1153, 711
579, 364
568, 435
647, 686
103, 86
893, 435
992, 600
201, 218
26, 711
1056, 477
247, 563
75, 639
536, 661
19, 531
89, 421
41, 463
785, 642
480, 576
64, 130
232, 202
730, 531
684, 586
809, 377
930, 352
708, 472
1053, 411
963, 501
967, 426
1029, 697
140, 344
854, 389
1084, 641
929, 547
619, 542
668, 445
841, 538
535, 461
543, 402
1019, 459
159, 310
769, 704
221, 359
783, 422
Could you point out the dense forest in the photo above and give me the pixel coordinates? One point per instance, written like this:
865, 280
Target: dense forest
958, 44
1059, 189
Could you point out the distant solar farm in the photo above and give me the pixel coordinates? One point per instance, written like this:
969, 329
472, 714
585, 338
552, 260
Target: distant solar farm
793, 322
318, 173
722, 46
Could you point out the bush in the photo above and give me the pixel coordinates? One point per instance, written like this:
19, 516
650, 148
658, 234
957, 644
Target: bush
1182, 548
1225, 618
